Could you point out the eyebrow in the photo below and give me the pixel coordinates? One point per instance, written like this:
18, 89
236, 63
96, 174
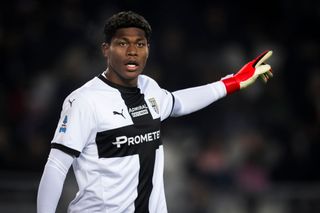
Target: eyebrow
127, 39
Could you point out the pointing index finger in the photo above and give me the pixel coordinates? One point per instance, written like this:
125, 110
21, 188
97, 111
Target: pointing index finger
262, 58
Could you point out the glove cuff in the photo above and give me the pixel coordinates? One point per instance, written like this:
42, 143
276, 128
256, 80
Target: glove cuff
231, 85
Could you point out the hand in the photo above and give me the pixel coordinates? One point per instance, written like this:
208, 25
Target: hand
249, 73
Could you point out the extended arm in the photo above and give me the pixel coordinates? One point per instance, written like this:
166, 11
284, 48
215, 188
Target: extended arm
52, 180
190, 100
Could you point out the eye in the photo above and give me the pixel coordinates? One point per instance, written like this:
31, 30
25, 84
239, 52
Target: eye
122, 43
141, 44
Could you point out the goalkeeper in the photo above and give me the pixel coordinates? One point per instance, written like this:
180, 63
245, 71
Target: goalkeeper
109, 129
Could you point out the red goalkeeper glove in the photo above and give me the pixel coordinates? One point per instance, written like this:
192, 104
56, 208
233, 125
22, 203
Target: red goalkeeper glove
249, 73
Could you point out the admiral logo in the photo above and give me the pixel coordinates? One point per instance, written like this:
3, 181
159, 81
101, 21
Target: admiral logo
63, 127
139, 110
148, 137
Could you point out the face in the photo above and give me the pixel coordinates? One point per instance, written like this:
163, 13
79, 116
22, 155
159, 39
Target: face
127, 55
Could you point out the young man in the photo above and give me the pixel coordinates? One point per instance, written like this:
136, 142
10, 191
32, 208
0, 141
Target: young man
109, 128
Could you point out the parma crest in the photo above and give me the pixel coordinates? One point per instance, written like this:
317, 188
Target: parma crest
154, 104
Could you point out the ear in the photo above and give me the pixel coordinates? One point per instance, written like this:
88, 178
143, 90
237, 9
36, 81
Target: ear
148, 50
105, 49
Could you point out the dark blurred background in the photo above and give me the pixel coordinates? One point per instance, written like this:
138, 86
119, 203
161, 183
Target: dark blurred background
256, 151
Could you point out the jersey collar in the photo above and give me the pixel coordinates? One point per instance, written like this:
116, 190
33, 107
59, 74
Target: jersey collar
119, 87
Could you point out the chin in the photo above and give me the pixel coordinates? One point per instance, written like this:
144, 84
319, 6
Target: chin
133, 73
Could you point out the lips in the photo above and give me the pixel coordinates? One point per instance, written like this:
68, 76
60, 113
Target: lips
132, 65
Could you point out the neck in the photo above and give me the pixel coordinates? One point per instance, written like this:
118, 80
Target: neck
117, 79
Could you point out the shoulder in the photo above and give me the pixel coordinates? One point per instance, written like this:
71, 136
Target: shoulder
145, 81
82, 94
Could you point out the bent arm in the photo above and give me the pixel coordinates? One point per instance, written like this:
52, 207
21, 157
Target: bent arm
52, 181
193, 99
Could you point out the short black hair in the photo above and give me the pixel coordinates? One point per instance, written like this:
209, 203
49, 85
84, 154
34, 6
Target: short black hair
126, 19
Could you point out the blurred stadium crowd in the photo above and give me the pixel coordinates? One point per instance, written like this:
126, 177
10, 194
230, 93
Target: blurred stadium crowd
252, 143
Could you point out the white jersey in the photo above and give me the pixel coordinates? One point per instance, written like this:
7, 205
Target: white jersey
115, 134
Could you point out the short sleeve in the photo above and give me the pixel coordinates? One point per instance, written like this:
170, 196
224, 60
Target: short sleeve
166, 103
161, 99
75, 125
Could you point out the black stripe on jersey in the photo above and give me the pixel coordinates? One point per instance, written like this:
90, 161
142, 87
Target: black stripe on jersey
146, 151
65, 149
141, 138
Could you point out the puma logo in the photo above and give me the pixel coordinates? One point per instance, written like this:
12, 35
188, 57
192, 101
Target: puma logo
119, 113
71, 101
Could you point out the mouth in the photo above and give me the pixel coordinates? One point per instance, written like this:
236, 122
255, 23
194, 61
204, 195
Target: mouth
132, 65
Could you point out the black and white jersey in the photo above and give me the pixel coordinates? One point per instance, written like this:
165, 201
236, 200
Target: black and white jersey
115, 134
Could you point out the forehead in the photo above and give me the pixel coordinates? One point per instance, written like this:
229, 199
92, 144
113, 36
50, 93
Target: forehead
130, 32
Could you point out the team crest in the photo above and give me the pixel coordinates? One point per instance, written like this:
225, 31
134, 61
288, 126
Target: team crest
154, 104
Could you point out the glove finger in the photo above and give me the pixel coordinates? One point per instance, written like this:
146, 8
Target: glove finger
266, 76
262, 69
263, 78
269, 73
262, 58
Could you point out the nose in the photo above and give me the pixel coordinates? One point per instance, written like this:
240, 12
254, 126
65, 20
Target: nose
132, 50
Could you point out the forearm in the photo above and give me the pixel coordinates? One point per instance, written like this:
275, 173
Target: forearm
195, 98
52, 180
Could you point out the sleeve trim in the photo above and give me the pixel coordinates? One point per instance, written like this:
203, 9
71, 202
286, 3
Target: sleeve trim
173, 101
65, 149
